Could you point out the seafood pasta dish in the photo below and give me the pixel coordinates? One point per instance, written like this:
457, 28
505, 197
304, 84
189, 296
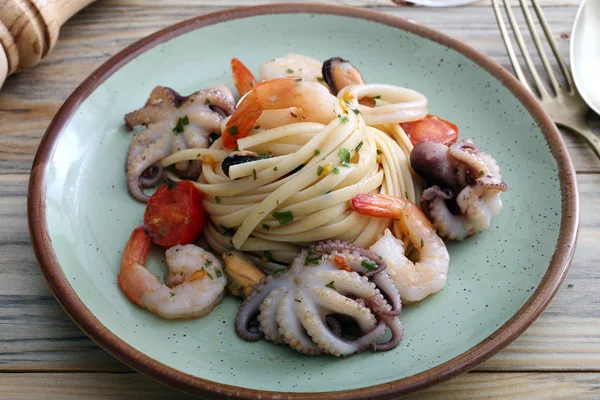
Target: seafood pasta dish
320, 200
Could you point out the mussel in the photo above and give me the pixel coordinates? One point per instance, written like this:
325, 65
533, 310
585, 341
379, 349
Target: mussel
339, 73
238, 157
241, 273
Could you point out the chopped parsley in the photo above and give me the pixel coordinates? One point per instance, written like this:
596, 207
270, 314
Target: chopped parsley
320, 170
344, 155
330, 285
422, 243
355, 111
171, 294
289, 71
377, 97
207, 101
278, 272
335, 171
347, 103
406, 194
218, 199
275, 168
317, 152
181, 124
358, 146
233, 130
320, 79
284, 217
379, 151
312, 260
369, 265
570, 285
343, 118
481, 173
209, 275
266, 227
207, 263
263, 156
218, 272
254, 174
228, 231
268, 255
299, 79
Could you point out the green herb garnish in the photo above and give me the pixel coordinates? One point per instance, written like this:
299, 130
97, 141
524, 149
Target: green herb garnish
254, 174
263, 156
209, 275
320, 170
289, 71
279, 272
330, 285
275, 168
312, 260
343, 118
266, 227
171, 294
377, 97
379, 151
481, 173
406, 194
232, 130
355, 110
422, 243
320, 79
268, 255
207, 263
181, 124
218, 272
284, 217
299, 79
228, 231
358, 146
369, 265
335, 171
207, 101
344, 155
317, 152
218, 199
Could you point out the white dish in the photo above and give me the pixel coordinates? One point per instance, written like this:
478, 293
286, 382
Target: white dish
585, 53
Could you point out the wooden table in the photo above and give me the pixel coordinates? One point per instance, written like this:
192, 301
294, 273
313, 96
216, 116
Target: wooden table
43, 354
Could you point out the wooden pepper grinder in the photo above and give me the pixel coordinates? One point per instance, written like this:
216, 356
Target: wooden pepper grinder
29, 29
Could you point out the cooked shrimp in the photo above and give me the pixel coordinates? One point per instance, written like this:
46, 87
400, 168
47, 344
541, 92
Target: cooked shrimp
195, 282
310, 101
292, 65
414, 281
243, 79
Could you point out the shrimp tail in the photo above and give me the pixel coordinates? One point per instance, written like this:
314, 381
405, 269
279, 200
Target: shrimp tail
243, 79
378, 205
134, 254
242, 121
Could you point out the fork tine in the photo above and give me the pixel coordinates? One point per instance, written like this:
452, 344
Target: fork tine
514, 61
561, 62
517, 32
538, 44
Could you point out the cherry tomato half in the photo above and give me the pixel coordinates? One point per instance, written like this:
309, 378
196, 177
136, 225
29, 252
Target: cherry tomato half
431, 128
174, 214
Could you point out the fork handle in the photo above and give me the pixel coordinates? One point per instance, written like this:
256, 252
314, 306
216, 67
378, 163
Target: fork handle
586, 133
29, 29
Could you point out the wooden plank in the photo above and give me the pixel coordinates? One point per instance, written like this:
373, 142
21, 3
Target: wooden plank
36, 335
91, 386
29, 100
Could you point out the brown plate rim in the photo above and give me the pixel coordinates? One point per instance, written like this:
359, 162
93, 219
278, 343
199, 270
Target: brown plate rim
77, 310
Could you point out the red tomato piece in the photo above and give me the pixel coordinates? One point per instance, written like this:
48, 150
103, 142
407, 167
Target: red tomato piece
431, 128
175, 214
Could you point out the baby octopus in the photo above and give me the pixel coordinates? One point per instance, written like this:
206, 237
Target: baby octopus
462, 173
172, 123
334, 298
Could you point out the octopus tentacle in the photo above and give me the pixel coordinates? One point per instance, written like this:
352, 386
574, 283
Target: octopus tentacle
151, 175
334, 324
397, 334
386, 287
268, 315
250, 307
291, 329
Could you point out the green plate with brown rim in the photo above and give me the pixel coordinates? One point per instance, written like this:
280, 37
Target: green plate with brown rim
80, 214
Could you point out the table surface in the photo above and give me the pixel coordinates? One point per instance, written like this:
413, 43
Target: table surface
43, 354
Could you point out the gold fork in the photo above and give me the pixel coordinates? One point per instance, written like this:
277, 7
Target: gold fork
564, 104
